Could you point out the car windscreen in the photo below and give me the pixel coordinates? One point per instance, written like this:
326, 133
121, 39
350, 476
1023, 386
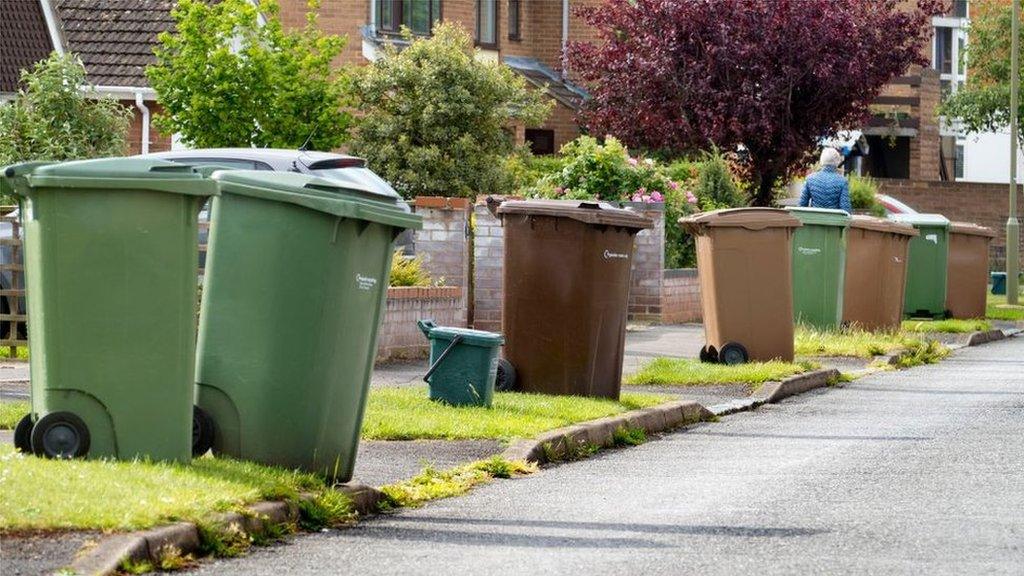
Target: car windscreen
359, 177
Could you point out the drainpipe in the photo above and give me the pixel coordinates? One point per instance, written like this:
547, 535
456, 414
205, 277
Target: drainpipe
144, 139
565, 37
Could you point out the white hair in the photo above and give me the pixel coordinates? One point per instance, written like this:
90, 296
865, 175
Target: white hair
831, 157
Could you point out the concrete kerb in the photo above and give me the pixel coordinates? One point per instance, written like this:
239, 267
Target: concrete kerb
562, 443
107, 557
772, 392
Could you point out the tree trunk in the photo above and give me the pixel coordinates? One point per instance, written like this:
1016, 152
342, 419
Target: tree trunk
763, 187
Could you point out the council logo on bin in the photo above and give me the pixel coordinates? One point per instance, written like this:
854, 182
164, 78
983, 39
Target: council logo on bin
609, 255
365, 282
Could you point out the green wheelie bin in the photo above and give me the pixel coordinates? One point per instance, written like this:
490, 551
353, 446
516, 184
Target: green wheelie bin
463, 364
819, 265
925, 295
111, 257
296, 279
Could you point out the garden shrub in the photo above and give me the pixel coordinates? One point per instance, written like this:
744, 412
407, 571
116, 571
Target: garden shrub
406, 271
863, 192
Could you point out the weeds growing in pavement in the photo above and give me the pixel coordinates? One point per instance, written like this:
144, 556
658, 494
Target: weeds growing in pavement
432, 484
629, 436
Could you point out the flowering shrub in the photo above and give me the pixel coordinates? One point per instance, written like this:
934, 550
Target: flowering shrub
591, 170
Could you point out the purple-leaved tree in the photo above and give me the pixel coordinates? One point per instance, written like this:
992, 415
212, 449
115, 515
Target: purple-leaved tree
773, 76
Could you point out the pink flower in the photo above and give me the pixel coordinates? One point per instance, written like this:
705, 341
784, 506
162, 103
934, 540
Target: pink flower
633, 162
673, 184
559, 191
657, 197
690, 197
637, 197
641, 190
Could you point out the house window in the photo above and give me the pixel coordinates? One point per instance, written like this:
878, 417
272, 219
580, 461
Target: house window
418, 15
943, 60
513, 20
542, 142
487, 23
947, 49
958, 162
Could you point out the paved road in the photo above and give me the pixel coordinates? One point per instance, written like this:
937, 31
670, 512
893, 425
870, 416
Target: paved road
913, 472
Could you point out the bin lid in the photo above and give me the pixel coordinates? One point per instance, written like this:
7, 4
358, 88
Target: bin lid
971, 229
749, 218
882, 225
917, 220
316, 193
821, 216
130, 173
469, 336
586, 211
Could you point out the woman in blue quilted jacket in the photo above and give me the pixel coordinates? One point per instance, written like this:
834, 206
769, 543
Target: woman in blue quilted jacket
827, 188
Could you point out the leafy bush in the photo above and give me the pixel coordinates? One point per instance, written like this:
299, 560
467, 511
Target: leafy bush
862, 195
434, 118
716, 185
231, 75
51, 118
592, 170
525, 169
407, 271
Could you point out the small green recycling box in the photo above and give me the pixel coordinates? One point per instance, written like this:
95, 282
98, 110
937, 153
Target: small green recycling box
819, 266
111, 261
926, 265
463, 364
295, 285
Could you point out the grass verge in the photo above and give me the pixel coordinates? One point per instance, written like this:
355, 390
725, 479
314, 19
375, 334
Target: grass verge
11, 412
946, 326
41, 494
688, 372
998, 309
849, 342
407, 414
920, 353
432, 484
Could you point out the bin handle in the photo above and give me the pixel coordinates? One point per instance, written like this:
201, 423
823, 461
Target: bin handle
426, 326
437, 363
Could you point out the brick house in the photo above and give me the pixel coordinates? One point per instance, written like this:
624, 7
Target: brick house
527, 35
114, 39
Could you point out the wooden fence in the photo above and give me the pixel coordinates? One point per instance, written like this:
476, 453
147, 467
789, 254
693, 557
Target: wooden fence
14, 315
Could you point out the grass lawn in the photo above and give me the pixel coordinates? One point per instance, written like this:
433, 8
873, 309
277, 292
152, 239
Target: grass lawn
688, 372
998, 309
406, 413
10, 412
92, 494
946, 326
850, 342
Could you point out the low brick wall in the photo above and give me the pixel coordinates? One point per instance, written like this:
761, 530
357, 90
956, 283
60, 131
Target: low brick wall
645, 289
681, 296
984, 204
400, 338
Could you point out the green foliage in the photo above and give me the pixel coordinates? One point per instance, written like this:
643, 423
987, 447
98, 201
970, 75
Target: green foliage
52, 118
850, 341
432, 484
716, 184
406, 413
629, 436
998, 309
525, 169
12, 411
687, 372
920, 353
434, 118
327, 509
225, 79
407, 271
983, 105
223, 541
951, 326
863, 192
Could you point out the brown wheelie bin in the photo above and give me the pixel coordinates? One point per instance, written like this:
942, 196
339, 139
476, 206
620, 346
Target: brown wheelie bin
567, 273
876, 272
744, 260
967, 274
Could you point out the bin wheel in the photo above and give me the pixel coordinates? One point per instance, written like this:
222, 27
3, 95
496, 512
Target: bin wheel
506, 380
708, 354
733, 353
23, 434
203, 431
60, 435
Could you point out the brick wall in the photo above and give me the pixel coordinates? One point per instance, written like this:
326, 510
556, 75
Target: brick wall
443, 241
343, 17
157, 141
984, 204
681, 296
488, 268
645, 290
400, 337
924, 149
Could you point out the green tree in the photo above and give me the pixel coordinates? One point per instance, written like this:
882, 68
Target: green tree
224, 78
983, 105
54, 118
435, 119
